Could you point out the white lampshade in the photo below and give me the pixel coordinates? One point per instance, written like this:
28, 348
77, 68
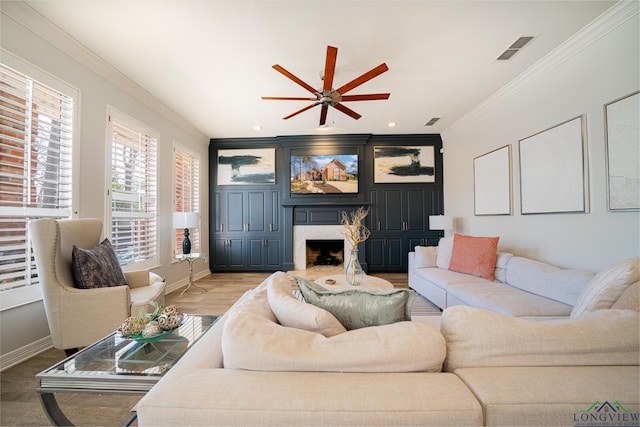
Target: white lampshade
440, 222
185, 219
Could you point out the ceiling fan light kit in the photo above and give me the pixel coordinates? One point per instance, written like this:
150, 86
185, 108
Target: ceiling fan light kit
327, 96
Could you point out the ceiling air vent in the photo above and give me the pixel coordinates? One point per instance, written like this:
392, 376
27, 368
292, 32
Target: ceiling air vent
514, 48
432, 121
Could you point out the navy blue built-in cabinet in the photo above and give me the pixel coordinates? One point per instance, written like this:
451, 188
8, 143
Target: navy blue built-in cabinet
251, 226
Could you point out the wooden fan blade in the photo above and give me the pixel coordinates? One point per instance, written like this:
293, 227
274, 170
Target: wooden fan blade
287, 98
363, 78
347, 111
302, 110
294, 78
323, 115
330, 67
368, 97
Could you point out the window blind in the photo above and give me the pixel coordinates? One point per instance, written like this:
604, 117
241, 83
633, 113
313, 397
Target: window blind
36, 127
133, 191
187, 195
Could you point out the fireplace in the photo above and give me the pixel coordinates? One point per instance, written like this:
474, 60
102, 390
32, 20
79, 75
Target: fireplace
328, 233
324, 252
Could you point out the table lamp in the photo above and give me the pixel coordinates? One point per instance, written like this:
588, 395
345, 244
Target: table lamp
440, 222
185, 220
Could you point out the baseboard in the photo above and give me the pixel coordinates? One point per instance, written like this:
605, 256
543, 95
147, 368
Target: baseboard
171, 287
25, 353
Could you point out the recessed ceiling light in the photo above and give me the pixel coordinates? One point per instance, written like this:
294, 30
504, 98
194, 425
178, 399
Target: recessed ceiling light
257, 128
391, 124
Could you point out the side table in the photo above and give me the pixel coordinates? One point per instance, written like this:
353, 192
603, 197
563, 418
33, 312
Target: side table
190, 258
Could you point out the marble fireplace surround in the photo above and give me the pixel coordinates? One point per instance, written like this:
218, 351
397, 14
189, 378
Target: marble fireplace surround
302, 233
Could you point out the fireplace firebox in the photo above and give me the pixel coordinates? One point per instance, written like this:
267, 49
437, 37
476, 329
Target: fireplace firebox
324, 252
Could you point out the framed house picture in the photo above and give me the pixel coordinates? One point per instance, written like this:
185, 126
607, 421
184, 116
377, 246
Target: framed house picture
492, 182
246, 166
622, 136
404, 164
553, 169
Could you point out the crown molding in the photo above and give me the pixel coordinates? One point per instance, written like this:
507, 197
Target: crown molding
26, 16
611, 19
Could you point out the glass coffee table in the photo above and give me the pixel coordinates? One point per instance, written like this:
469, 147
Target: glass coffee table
117, 365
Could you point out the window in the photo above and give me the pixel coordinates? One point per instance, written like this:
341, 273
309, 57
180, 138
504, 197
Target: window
133, 191
187, 197
36, 135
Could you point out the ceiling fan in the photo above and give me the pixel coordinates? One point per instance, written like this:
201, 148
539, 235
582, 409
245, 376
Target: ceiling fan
328, 96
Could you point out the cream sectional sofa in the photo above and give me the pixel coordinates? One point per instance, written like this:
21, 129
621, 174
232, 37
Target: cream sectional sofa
522, 287
480, 368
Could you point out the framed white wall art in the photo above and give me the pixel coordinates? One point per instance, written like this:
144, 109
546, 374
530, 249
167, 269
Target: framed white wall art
553, 169
622, 136
492, 182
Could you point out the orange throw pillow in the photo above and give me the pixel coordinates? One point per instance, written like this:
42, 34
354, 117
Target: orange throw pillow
474, 255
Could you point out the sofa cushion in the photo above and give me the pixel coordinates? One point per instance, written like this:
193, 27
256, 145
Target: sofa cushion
443, 255
477, 338
630, 299
604, 289
229, 397
505, 299
425, 256
474, 255
549, 281
97, 267
360, 309
252, 339
555, 395
297, 314
445, 278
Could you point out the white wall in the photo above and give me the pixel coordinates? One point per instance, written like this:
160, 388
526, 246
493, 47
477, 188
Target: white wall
596, 67
38, 43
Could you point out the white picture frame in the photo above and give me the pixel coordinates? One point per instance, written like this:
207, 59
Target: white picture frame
553, 169
622, 139
492, 182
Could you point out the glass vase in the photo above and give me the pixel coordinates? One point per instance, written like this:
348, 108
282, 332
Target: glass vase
353, 269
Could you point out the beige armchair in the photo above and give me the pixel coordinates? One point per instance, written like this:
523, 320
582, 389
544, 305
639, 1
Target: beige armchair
79, 317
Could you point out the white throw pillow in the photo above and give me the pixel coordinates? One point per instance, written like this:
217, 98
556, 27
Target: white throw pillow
604, 289
293, 313
502, 259
445, 248
425, 256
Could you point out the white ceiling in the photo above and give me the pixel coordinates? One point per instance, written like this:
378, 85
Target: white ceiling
210, 61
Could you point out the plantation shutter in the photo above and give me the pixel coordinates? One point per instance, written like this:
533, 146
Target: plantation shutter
133, 191
187, 197
36, 126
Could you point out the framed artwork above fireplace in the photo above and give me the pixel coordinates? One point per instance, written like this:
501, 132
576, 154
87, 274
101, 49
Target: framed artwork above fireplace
329, 172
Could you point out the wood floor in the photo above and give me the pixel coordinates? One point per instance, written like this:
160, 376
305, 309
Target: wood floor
19, 402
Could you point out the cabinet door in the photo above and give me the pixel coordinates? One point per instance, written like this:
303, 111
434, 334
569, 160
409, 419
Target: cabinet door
393, 211
234, 211
263, 254
375, 254
386, 254
256, 214
415, 209
396, 256
272, 257
227, 253
219, 256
